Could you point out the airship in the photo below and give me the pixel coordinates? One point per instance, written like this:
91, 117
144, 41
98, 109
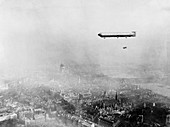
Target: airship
117, 34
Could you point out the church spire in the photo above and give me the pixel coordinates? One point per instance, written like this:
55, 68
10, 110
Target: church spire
116, 96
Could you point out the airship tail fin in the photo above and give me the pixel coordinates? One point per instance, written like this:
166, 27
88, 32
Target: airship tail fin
134, 33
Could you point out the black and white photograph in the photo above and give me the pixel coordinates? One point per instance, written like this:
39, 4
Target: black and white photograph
84, 63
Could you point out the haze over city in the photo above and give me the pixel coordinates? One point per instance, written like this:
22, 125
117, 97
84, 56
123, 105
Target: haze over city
36, 33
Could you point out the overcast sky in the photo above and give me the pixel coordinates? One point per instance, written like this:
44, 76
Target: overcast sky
37, 32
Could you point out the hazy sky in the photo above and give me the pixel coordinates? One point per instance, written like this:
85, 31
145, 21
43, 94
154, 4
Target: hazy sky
37, 32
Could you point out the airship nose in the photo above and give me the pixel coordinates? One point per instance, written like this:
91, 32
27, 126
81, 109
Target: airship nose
99, 34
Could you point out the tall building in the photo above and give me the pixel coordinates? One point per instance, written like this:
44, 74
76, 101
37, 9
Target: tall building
62, 67
116, 96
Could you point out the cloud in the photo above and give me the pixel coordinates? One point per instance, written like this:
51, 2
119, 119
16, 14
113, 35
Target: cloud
166, 9
159, 4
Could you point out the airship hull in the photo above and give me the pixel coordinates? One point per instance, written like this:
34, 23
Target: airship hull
117, 35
